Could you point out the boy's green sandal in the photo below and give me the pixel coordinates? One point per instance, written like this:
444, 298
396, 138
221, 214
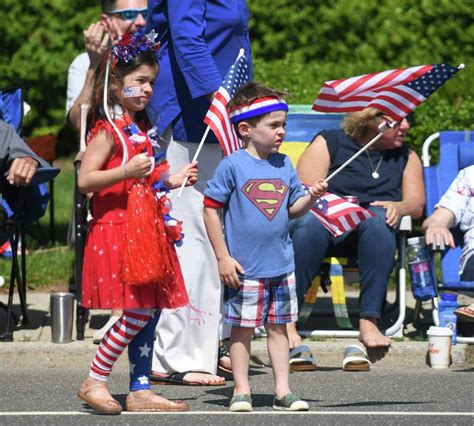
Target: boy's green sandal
290, 402
241, 403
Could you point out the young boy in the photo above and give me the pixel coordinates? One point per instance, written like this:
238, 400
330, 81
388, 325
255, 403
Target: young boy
259, 191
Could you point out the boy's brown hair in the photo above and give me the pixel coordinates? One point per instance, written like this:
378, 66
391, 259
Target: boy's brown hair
250, 92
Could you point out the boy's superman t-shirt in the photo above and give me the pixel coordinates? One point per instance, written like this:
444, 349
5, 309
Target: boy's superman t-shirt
257, 195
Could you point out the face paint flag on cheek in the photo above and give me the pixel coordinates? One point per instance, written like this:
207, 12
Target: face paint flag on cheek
131, 92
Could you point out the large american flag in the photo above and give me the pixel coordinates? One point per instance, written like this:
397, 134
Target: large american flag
396, 92
217, 118
337, 215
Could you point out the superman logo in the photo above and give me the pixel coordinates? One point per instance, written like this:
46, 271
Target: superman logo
266, 194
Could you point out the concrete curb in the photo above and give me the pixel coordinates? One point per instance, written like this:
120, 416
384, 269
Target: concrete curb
328, 354
32, 344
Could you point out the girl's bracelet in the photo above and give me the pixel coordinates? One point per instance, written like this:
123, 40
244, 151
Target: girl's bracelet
126, 171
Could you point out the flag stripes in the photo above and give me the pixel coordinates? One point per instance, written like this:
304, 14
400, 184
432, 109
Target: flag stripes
217, 117
337, 215
396, 92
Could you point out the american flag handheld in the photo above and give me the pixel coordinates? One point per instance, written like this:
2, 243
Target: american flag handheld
217, 118
337, 214
396, 92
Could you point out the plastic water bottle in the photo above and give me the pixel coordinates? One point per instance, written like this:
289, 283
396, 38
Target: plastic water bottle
423, 281
447, 318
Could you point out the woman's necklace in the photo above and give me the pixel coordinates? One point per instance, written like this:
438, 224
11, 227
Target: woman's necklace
375, 171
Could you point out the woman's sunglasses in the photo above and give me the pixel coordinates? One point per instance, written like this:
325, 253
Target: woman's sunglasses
129, 14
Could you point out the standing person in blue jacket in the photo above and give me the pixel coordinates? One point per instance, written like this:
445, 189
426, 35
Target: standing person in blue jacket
200, 41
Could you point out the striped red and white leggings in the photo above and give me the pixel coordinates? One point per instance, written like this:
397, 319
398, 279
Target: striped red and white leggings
116, 340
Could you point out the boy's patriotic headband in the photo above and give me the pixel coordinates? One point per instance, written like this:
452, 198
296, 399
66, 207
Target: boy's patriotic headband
257, 107
130, 45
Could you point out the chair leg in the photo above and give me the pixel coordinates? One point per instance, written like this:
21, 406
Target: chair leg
52, 227
81, 319
22, 277
13, 234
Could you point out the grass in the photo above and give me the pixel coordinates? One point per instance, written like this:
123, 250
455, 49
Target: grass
50, 264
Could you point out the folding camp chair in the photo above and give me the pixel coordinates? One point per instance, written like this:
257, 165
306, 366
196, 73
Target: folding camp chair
22, 206
456, 151
302, 125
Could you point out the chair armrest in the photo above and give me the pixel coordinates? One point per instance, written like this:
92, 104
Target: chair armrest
44, 174
405, 224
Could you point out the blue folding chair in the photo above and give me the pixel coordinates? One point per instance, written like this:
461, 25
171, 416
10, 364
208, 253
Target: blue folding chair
456, 151
302, 125
22, 206
11, 107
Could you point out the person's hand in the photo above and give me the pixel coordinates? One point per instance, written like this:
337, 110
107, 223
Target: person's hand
139, 166
211, 95
96, 41
393, 215
438, 235
190, 171
22, 171
228, 269
318, 189
112, 28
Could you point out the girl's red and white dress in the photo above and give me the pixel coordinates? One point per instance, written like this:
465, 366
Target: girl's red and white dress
102, 286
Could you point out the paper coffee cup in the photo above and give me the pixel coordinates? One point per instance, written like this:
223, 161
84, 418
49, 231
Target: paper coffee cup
439, 341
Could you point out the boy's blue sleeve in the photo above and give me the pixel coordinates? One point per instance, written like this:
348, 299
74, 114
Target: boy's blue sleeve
221, 186
296, 188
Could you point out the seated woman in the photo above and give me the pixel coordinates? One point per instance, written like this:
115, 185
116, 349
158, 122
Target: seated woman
456, 207
387, 179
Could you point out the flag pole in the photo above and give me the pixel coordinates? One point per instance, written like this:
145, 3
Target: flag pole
383, 127
82, 138
198, 151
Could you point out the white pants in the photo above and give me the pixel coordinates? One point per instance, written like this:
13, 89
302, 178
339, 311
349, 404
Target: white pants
188, 338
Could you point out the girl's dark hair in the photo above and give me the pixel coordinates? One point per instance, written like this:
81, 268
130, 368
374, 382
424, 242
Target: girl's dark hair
116, 76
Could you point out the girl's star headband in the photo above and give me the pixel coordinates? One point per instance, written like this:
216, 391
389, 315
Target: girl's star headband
257, 107
130, 45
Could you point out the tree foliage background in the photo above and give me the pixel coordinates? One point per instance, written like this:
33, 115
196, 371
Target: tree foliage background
297, 45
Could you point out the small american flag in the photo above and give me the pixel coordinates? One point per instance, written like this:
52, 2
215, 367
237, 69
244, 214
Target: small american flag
396, 92
338, 215
217, 118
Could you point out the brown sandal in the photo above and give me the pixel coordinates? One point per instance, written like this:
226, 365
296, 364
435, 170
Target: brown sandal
148, 404
105, 406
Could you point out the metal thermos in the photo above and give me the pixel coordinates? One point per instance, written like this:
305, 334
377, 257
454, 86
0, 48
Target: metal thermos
62, 316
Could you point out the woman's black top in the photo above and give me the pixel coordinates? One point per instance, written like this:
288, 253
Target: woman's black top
356, 178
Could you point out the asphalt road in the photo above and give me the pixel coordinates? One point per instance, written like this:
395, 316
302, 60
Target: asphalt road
394, 394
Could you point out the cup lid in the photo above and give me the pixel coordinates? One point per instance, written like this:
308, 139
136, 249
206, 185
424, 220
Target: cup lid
439, 331
416, 240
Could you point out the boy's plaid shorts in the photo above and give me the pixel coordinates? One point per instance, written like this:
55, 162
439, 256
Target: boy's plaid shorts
265, 300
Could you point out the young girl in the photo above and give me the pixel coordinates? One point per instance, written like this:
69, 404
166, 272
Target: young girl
129, 259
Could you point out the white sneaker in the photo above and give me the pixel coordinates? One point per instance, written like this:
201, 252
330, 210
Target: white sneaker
99, 334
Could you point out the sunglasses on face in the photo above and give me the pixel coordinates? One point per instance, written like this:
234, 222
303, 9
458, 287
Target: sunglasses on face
129, 14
